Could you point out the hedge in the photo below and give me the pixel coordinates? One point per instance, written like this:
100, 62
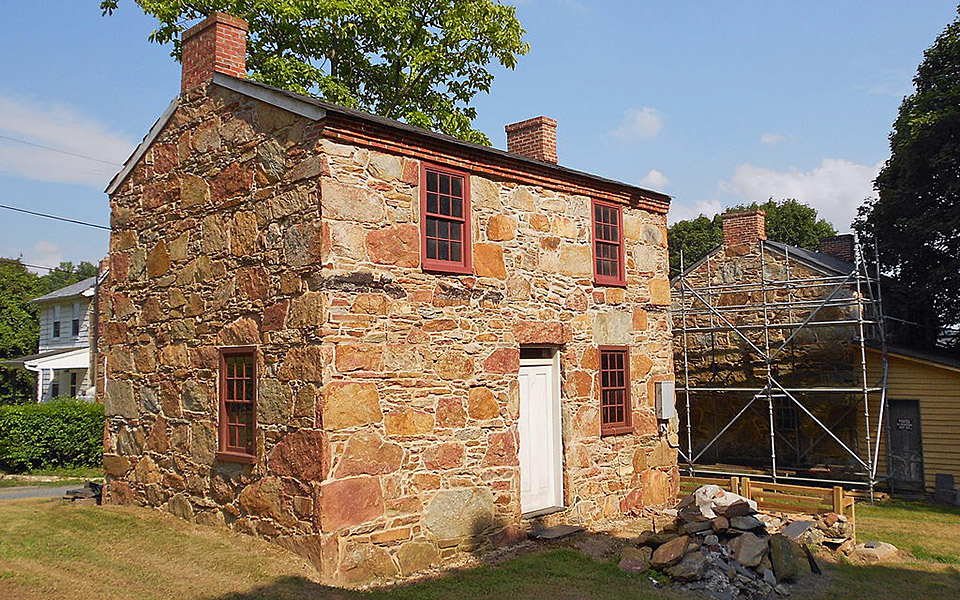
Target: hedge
62, 433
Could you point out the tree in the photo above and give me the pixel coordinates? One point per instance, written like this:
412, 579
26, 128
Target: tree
19, 329
915, 221
420, 61
67, 274
694, 238
788, 221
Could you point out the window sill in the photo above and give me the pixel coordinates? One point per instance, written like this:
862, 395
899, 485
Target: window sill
609, 282
236, 457
448, 269
619, 430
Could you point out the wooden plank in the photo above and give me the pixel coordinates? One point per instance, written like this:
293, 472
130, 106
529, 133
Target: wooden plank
800, 489
794, 508
775, 497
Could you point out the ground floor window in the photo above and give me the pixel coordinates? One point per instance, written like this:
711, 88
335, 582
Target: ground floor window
614, 390
238, 403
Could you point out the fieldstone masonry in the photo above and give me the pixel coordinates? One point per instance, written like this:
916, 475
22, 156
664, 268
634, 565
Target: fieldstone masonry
388, 396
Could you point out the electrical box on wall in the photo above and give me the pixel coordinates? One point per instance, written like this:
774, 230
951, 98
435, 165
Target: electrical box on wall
666, 400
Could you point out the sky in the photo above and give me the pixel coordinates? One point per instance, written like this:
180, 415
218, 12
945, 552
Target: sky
714, 103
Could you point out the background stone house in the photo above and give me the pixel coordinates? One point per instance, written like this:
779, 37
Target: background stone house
815, 365
377, 345
64, 359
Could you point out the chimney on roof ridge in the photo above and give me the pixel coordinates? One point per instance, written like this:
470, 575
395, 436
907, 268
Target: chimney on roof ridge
218, 44
535, 138
839, 246
744, 228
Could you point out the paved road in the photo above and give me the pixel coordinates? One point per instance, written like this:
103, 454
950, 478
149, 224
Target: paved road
14, 493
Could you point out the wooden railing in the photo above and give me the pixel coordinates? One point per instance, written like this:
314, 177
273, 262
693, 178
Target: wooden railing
778, 496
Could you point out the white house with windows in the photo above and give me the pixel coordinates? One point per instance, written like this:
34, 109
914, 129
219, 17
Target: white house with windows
63, 360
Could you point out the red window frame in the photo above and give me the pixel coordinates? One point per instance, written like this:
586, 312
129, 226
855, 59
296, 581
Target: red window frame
607, 242
229, 385
464, 265
615, 403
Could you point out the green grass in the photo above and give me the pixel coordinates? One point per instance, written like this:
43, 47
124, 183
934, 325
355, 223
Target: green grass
9, 482
50, 549
71, 472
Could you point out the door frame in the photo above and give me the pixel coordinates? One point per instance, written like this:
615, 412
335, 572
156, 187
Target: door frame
907, 486
556, 432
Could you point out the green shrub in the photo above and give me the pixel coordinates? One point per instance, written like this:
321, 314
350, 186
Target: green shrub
63, 433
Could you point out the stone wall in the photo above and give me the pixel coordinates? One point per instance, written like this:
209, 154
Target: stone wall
388, 397
824, 356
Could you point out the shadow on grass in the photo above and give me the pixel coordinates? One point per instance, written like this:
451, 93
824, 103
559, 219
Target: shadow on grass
565, 573
554, 570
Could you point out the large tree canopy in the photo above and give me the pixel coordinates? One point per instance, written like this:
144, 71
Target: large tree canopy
788, 221
420, 61
915, 221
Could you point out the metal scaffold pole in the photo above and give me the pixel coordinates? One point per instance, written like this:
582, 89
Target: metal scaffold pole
792, 301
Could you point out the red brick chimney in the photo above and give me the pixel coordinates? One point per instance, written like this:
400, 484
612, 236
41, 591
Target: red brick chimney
839, 246
218, 44
536, 138
744, 228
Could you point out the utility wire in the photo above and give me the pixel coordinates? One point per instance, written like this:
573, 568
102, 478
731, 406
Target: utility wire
19, 262
55, 217
67, 152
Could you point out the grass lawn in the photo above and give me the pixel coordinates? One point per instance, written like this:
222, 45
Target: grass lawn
49, 549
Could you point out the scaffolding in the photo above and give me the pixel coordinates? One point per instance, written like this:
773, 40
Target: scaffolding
773, 312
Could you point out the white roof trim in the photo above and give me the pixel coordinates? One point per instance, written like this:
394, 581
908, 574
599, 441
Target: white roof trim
142, 148
297, 107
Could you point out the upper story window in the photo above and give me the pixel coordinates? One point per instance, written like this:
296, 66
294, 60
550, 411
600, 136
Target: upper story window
445, 220
615, 402
608, 259
75, 323
238, 404
56, 321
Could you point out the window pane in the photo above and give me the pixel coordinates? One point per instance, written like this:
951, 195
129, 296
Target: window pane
444, 184
431, 202
455, 231
456, 207
455, 251
432, 185
456, 186
444, 250
444, 205
432, 248
431, 227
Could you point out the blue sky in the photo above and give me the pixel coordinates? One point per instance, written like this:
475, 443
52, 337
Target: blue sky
714, 103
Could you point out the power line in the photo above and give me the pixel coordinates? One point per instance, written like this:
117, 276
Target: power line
55, 217
20, 262
67, 152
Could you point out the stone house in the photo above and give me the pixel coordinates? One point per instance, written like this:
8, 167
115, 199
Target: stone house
823, 367
374, 344
64, 362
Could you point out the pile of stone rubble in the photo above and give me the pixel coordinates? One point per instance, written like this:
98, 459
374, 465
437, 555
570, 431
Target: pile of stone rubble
720, 545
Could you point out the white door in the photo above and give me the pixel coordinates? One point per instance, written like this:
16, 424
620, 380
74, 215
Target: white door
541, 480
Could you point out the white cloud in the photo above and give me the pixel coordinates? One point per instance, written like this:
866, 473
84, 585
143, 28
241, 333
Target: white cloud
639, 124
771, 139
835, 188
655, 180
60, 127
44, 254
684, 211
